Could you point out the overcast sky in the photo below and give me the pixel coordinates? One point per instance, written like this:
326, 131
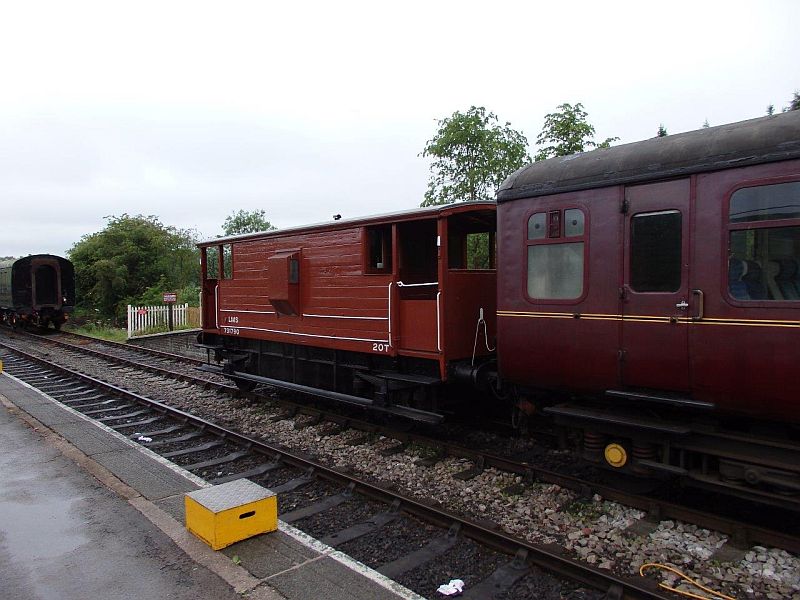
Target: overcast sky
190, 110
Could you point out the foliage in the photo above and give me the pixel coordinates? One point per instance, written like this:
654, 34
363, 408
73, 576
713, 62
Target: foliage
567, 131
770, 110
706, 124
472, 155
246, 221
662, 131
153, 295
112, 334
478, 251
116, 266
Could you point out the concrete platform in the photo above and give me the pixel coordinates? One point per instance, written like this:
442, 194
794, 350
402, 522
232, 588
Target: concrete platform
87, 513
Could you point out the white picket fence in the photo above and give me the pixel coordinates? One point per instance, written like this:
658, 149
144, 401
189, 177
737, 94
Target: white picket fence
144, 318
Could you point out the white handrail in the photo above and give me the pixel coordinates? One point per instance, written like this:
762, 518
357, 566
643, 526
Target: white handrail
216, 306
438, 325
401, 284
390, 314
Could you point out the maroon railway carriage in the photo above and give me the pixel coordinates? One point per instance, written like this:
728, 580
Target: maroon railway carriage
661, 279
375, 311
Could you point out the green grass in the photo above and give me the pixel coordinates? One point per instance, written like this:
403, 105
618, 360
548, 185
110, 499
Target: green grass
112, 334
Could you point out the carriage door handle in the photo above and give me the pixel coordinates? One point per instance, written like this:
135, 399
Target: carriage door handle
701, 301
683, 305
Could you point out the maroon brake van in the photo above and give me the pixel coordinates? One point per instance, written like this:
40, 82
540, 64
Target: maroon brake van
376, 311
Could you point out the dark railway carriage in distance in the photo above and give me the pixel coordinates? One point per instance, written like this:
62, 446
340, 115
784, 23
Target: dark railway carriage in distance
37, 290
656, 285
377, 311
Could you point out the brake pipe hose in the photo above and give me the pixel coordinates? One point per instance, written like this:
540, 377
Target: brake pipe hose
714, 595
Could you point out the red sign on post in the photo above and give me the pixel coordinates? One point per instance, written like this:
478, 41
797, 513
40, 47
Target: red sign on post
141, 311
170, 297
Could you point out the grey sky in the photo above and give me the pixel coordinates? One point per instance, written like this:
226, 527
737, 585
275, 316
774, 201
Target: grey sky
190, 110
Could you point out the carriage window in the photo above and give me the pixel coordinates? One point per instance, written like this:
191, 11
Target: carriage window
556, 267
763, 264
536, 224
763, 259
212, 262
555, 271
766, 203
379, 249
227, 261
656, 252
573, 222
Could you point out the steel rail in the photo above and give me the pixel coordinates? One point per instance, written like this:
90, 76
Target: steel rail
120, 345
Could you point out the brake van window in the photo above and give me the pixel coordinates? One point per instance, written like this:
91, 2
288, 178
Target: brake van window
212, 262
227, 261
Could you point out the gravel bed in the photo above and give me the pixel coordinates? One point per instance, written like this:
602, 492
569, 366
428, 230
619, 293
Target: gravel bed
396, 539
161, 423
132, 353
195, 457
173, 446
340, 517
539, 584
237, 466
308, 494
466, 561
277, 477
109, 411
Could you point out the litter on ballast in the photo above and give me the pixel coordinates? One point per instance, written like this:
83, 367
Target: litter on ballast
144, 438
453, 588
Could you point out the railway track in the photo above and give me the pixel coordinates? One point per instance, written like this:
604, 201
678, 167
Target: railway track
199, 445
182, 368
475, 464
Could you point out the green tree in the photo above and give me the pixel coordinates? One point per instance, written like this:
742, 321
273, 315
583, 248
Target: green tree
662, 131
794, 103
566, 132
472, 155
116, 266
246, 221
770, 110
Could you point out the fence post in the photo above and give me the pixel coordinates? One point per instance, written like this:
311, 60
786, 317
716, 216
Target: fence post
157, 317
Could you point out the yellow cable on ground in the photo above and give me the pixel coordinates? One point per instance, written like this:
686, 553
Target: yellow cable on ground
716, 595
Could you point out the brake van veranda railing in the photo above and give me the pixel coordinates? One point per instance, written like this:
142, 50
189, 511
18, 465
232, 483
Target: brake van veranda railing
154, 319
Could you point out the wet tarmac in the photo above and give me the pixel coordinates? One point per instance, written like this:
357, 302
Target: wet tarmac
63, 535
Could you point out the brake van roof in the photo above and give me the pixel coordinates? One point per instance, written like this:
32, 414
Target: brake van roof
393, 217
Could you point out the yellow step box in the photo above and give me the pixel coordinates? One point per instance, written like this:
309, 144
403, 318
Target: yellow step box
228, 513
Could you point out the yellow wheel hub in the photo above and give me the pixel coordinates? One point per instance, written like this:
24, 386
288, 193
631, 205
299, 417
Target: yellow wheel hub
615, 455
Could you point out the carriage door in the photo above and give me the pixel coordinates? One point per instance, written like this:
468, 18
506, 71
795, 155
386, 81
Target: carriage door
418, 285
209, 261
46, 288
655, 294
